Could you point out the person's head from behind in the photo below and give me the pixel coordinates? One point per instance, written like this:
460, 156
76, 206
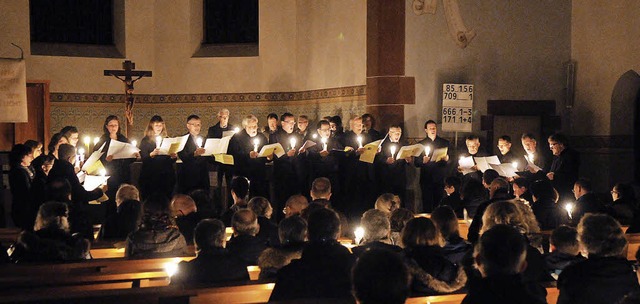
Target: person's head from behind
323, 225
520, 186
239, 188
208, 235
601, 235
295, 204
35, 146
313, 206
623, 191
452, 184
245, 222
564, 239
183, 205
261, 206
52, 215
489, 176
399, 219
501, 250
504, 213
47, 163
127, 192
156, 213
292, 230
581, 187
376, 225
380, 276
542, 190
387, 203
67, 153
321, 188
498, 186
421, 231
445, 219
203, 200
58, 190
20, 156
472, 189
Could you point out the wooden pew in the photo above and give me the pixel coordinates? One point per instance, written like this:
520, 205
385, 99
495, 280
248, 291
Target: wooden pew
632, 247
165, 295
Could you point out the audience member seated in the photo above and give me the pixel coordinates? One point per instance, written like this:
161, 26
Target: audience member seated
377, 228
213, 263
431, 273
565, 250
320, 189
324, 269
387, 203
544, 205
292, 232
380, 276
318, 204
187, 215
521, 189
158, 235
268, 230
452, 199
624, 204
50, 240
500, 256
473, 194
498, 191
239, 193
511, 213
295, 204
244, 243
204, 204
605, 276
127, 216
398, 220
455, 247
586, 201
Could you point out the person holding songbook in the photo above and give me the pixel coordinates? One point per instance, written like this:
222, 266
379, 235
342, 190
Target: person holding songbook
245, 147
390, 171
507, 156
433, 166
369, 124
565, 166
473, 150
286, 180
322, 159
117, 168
357, 176
193, 173
157, 173
221, 129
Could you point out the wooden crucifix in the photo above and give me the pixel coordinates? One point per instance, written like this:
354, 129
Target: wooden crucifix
128, 76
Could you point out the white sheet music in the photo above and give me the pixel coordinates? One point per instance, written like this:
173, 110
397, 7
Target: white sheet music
95, 156
122, 150
216, 145
409, 151
484, 163
506, 169
172, 145
465, 164
94, 181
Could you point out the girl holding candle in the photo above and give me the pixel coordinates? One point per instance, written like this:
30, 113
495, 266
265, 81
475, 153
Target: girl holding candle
157, 174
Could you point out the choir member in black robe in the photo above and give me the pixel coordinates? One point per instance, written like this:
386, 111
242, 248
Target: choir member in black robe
391, 173
222, 170
473, 150
245, 146
537, 155
302, 128
21, 176
300, 166
193, 173
285, 179
432, 173
117, 169
358, 177
565, 166
272, 125
323, 160
369, 124
157, 174
507, 156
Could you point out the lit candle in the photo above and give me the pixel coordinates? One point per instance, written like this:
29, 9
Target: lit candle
359, 234
170, 268
569, 208
81, 154
314, 136
96, 140
199, 141
134, 143
103, 172
293, 142
427, 150
531, 157
324, 143
393, 150
158, 141
87, 142
256, 142
236, 130
515, 165
359, 139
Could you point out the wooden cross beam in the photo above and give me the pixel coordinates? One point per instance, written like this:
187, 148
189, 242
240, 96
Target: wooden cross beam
128, 76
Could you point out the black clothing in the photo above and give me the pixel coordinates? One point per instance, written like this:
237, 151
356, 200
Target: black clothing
285, 178
157, 174
323, 271
455, 248
223, 171
359, 250
246, 247
547, 213
432, 174
268, 232
211, 266
375, 134
391, 178
50, 245
357, 178
216, 131
187, 224
587, 203
477, 175
476, 224
431, 273
23, 205
565, 168
557, 261
273, 259
117, 169
511, 157
193, 173
254, 169
623, 211
597, 280
508, 289
326, 166
123, 222
455, 202
147, 243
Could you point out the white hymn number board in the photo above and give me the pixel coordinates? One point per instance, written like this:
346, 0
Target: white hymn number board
457, 107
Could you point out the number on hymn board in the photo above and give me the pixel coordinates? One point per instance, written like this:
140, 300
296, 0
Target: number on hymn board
457, 92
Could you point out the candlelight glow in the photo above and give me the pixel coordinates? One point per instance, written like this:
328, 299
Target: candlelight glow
359, 234
96, 140
359, 141
569, 208
103, 172
293, 142
515, 165
393, 150
427, 150
170, 268
87, 141
158, 141
199, 141
134, 143
81, 151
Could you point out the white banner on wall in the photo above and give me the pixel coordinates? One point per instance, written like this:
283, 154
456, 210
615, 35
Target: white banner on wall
13, 90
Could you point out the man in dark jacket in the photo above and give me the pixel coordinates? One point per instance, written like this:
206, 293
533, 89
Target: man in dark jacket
565, 166
586, 201
213, 264
193, 173
377, 229
244, 243
323, 271
219, 130
432, 171
245, 146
